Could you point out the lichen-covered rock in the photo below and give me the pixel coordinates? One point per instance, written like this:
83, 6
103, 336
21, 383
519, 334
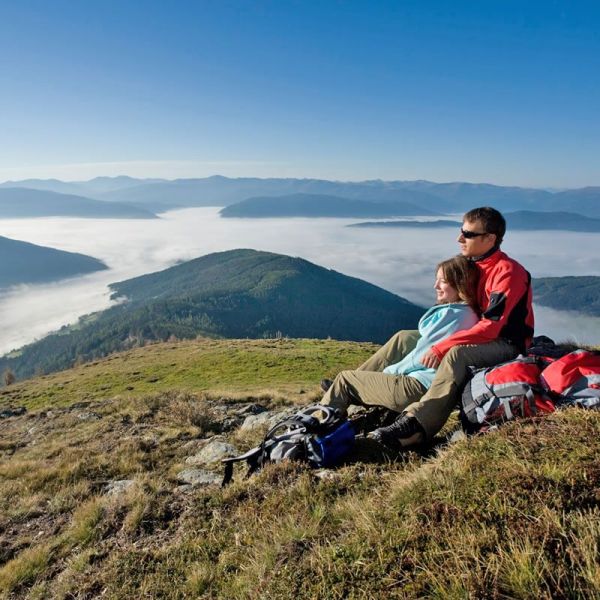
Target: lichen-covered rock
89, 416
265, 420
211, 453
198, 477
119, 486
253, 422
252, 409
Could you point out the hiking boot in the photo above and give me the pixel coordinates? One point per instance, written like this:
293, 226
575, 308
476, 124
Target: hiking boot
326, 384
405, 431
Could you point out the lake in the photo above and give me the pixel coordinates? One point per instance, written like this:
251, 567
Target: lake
400, 260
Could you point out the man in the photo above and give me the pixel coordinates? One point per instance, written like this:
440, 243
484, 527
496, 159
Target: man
504, 331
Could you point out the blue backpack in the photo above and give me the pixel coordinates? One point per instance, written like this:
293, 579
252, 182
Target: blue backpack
319, 435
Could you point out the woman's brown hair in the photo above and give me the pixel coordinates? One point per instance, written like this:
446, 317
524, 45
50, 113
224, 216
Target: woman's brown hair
462, 275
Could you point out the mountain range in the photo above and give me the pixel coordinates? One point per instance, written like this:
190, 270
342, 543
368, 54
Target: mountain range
23, 262
447, 198
234, 294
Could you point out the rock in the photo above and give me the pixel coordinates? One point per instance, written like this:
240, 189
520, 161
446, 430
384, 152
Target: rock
212, 452
12, 412
265, 419
182, 489
114, 488
89, 416
230, 423
252, 422
252, 409
199, 477
192, 445
326, 475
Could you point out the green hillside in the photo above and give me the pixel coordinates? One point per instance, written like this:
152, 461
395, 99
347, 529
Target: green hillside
23, 262
93, 501
569, 293
240, 293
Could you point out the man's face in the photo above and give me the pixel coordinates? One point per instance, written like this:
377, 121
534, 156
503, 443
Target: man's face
478, 245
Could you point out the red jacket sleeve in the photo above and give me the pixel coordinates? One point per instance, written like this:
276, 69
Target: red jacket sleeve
504, 288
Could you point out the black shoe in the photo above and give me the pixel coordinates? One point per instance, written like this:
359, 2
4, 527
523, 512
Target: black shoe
405, 431
326, 384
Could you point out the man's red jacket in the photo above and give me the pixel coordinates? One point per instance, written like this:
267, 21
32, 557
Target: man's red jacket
504, 295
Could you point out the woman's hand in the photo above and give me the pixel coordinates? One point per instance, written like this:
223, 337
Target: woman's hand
430, 360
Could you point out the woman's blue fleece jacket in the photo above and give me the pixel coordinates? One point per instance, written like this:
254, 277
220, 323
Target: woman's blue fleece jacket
437, 323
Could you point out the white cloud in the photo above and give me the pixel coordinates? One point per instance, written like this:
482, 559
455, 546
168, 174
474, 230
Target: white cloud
402, 261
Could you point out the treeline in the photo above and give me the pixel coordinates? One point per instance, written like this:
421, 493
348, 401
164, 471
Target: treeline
579, 293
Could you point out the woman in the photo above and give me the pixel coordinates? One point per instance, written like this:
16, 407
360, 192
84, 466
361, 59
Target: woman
393, 377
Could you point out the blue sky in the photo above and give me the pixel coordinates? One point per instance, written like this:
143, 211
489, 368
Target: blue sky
500, 91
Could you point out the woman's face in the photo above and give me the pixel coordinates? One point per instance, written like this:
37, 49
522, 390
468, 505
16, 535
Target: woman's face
445, 293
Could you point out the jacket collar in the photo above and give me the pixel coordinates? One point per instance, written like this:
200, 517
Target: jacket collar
489, 253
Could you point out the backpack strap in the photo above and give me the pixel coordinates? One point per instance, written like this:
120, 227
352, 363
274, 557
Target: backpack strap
255, 457
252, 457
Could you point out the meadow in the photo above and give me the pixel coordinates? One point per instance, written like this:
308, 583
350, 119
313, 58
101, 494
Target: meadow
92, 503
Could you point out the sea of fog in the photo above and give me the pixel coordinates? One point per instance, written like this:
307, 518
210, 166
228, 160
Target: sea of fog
399, 260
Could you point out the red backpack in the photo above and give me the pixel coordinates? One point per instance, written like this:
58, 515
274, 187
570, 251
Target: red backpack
574, 379
503, 392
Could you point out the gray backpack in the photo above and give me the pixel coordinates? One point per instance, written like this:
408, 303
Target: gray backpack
318, 434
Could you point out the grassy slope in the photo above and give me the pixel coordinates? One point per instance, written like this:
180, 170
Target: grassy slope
229, 366
513, 514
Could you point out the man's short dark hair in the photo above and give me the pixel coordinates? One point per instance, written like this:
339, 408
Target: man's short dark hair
491, 219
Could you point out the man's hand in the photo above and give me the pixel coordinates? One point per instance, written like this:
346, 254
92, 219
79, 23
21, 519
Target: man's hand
430, 360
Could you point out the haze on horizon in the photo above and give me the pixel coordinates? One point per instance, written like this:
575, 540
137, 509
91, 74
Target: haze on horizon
496, 92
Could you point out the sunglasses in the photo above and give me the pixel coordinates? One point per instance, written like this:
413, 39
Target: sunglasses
468, 235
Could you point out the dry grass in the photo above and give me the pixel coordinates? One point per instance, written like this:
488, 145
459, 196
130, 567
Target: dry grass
513, 514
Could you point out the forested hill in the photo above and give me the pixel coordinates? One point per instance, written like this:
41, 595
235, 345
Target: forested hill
320, 205
23, 262
569, 293
234, 294
19, 203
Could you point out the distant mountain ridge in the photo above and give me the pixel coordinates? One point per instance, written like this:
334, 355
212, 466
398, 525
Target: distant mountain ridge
437, 224
319, 205
234, 294
19, 202
23, 262
447, 198
522, 220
